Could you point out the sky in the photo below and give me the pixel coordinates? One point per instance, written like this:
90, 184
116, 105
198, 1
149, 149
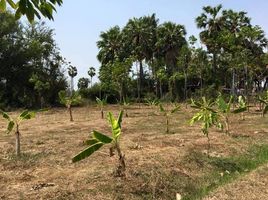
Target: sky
78, 24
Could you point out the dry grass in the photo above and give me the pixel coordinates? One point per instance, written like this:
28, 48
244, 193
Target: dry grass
159, 165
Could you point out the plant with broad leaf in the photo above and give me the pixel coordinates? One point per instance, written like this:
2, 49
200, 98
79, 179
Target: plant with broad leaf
98, 140
264, 103
101, 103
242, 104
167, 113
15, 124
224, 110
69, 101
125, 105
207, 115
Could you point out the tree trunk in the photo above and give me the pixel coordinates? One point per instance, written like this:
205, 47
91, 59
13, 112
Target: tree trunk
140, 80
167, 124
161, 91
17, 141
71, 114
102, 114
185, 85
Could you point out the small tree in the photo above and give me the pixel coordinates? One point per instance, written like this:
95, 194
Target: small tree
206, 115
167, 113
99, 139
25, 115
101, 103
264, 101
69, 101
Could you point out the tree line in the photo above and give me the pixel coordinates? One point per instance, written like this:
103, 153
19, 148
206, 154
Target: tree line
158, 60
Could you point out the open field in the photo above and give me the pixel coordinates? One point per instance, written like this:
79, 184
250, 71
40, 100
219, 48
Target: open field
159, 165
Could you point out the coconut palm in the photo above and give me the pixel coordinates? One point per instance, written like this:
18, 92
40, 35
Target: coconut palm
91, 72
72, 71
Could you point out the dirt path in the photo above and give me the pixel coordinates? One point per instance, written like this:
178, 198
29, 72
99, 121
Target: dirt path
253, 186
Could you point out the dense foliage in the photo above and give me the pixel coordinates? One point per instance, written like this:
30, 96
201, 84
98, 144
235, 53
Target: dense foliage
30, 64
158, 60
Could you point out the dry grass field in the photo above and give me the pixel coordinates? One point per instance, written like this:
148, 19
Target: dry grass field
159, 165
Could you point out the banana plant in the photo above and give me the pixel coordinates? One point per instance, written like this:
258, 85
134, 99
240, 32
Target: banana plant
69, 101
242, 104
152, 103
264, 101
125, 105
101, 103
15, 123
167, 113
99, 139
224, 110
207, 115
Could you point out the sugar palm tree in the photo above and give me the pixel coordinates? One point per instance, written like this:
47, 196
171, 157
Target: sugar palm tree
140, 35
109, 45
212, 23
91, 72
72, 71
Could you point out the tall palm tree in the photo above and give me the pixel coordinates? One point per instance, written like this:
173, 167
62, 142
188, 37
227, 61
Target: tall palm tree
140, 35
91, 72
109, 45
171, 38
212, 23
72, 71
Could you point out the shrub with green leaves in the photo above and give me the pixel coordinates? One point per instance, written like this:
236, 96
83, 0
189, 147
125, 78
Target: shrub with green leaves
99, 139
264, 103
15, 124
152, 102
167, 113
69, 101
101, 103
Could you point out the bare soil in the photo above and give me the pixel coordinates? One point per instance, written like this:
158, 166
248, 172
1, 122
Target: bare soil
157, 163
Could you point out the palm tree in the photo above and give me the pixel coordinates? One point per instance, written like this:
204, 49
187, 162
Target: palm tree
72, 71
140, 35
212, 24
83, 83
109, 45
171, 38
91, 72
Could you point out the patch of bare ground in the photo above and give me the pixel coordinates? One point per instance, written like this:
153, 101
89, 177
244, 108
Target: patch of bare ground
159, 165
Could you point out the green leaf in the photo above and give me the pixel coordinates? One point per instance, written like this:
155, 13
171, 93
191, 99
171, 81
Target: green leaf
3, 5
10, 126
239, 110
116, 130
5, 115
120, 118
175, 109
101, 137
12, 4
91, 142
87, 152
26, 115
